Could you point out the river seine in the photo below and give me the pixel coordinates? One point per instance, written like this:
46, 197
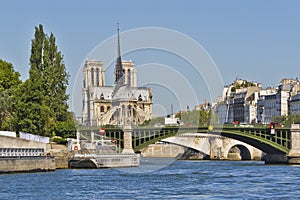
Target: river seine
175, 180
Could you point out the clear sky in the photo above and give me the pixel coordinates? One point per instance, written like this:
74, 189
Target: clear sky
254, 40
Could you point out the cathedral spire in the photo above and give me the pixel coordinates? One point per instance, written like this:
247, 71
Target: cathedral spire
118, 67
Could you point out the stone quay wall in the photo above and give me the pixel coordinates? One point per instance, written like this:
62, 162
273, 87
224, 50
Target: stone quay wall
104, 161
26, 164
162, 151
12, 142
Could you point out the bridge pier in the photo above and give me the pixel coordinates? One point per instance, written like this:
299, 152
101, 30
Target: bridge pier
127, 140
293, 157
294, 154
273, 158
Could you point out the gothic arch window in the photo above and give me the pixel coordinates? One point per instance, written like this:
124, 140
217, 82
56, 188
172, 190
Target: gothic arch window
92, 74
129, 77
134, 113
129, 110
102, 109
97, 77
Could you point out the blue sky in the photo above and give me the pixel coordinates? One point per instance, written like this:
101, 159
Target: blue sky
253, 40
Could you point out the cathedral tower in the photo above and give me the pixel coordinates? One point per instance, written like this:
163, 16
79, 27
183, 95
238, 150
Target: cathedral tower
93, 76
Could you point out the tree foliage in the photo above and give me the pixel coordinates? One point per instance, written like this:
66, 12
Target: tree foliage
42, 105
199, 117
244, 84
9, 81
287, 119
156, 120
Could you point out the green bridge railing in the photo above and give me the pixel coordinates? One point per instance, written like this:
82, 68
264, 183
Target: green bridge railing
260, 137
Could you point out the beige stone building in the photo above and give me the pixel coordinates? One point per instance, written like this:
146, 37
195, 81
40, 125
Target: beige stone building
123, 103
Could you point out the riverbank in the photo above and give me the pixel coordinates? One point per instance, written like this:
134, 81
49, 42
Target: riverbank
27, 164
96, 161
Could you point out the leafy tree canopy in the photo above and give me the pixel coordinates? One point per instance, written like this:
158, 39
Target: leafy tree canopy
287, 119
199, 117
8, 77
9, 81
42, 105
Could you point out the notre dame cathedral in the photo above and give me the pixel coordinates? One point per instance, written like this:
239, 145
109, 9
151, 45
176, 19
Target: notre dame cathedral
123, 103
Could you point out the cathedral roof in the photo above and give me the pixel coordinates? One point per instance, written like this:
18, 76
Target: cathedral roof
105, 92
126, 92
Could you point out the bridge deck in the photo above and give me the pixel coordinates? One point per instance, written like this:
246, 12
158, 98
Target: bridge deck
260, 138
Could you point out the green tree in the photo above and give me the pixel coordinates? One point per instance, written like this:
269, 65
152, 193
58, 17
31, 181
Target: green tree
9, 81
199, 117
43, 99
287, 119
293, 118
32, 114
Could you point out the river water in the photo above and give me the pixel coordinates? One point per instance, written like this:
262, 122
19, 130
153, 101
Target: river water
174, 180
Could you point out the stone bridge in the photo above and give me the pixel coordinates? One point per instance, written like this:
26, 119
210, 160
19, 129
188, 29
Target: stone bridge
280, 146
214, 146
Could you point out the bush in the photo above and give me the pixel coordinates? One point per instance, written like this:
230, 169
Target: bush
58, 140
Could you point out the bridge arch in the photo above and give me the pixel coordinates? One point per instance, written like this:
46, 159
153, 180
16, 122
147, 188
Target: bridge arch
189, 148
217, 147
83, 163
199, 144
243, 151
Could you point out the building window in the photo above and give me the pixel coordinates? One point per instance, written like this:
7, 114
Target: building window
102, 96
102, 109
97, 77
92, 74
129, 110
129, 78
140, 98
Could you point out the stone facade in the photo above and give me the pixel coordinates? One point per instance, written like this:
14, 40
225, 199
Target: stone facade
294, 104
252, 104
238, 102
101, 106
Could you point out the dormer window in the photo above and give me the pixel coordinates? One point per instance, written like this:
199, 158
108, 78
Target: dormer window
102, 96
140, 98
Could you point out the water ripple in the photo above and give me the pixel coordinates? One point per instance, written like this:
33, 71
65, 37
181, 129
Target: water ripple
179, 180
